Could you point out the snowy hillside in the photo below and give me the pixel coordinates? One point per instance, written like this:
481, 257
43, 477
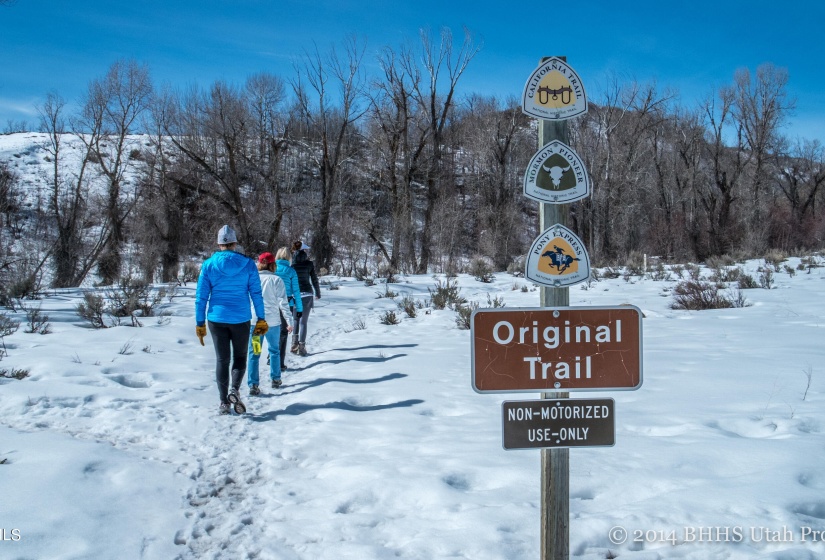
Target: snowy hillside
377, 447
27, 156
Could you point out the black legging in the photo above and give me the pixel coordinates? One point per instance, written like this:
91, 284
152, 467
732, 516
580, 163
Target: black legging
231, 341
284, 336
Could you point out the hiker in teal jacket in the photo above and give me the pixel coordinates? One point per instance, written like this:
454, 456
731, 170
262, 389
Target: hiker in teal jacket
293, 294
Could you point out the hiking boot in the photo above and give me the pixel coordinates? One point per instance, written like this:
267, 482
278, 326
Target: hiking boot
302, 349
254, 391
235, 399
224, 408
276, 383
294, 348
283, 367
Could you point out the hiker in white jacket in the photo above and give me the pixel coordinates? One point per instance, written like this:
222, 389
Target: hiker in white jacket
275, 302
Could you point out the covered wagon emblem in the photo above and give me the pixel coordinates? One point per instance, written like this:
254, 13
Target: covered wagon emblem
554, 92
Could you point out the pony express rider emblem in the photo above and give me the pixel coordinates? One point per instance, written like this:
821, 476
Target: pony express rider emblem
556, 175
554, 92
557, 259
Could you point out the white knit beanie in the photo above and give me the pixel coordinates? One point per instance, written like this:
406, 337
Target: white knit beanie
226, 235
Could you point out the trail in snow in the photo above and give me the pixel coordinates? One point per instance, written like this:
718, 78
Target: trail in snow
377, 447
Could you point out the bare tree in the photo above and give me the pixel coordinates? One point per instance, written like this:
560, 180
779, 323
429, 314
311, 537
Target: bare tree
161, 219
9, 195
329, 89
726, 166
212, 130
441, 69
616, 140
271, 128
802, 175
13, 126
760, 106
400, 135
678, 145
73, 254
110, 115
497, 144
10, 202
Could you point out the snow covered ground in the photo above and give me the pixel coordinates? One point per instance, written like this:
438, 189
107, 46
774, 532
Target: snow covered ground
377, 447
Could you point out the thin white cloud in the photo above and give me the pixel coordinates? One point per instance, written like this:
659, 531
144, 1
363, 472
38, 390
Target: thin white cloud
26, 107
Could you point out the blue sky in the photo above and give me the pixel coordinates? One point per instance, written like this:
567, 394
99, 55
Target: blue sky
51, 45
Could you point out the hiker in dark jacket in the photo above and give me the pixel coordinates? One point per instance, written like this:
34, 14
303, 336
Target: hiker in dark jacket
307, 283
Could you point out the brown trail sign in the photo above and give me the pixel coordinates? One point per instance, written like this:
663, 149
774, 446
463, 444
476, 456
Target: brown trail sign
557, 349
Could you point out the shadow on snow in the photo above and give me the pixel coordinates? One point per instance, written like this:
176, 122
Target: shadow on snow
345, 360
298, 408
370, 347
304, 385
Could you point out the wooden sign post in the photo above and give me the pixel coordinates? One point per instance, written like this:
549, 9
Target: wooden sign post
553, 94
556, 348
555, 463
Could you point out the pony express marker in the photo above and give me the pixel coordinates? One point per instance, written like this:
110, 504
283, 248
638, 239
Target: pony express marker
557, 349
558, 423
557, 259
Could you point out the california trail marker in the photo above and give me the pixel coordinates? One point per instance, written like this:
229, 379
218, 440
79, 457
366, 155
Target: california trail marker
554, 91
555, 348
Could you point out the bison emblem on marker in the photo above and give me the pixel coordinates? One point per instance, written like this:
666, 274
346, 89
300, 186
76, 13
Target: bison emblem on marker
561, 261
556, 173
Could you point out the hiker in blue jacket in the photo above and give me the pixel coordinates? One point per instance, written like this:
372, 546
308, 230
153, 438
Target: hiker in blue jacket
227, 282
293, 294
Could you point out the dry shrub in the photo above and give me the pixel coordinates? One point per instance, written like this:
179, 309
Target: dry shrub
408, 306
698, 295
389, 318
747, 282
775, 257
481, 270
464, 315
14, 373
446, 294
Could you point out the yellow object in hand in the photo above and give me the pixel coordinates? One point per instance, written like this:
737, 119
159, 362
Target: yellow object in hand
256, 345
